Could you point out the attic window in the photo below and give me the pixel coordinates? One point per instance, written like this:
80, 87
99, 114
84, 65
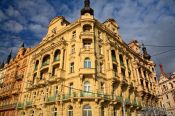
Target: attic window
54, 30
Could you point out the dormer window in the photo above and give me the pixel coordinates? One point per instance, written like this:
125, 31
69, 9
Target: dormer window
54, 31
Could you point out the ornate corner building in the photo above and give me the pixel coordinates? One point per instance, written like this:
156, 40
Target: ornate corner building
167, 92
84, 68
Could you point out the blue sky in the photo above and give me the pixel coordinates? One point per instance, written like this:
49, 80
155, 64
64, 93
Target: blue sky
149, 21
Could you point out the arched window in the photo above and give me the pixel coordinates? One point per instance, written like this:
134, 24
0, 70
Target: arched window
54, 111
87, 63
32, 113
87, 111
87, 27
41, 114
23, 113
70, 111
121, 60
36, 65
102, 111
86, 86
46, 60
87, 89
113, 55
57, 55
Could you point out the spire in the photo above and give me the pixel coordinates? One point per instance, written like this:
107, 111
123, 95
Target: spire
2, 65
87, 8
145, 53
9, 57
22, 45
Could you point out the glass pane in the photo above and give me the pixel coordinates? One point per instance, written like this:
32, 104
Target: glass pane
84, 113
89, 113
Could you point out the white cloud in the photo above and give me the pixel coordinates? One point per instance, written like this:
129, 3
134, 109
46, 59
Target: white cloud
12, 26
2, 16
39, 30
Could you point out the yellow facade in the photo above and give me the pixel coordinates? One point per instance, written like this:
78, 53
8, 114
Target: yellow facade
84, 68
167, 94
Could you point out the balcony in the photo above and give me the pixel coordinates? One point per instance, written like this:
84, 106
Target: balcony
66, 96
124, 83
86, 34
51, 99
115, 77
122, 64
20, 106
19, 77
44, 66
8, 107
87, 50
87, 71
127, 102
119, 99
28, 103
87, 94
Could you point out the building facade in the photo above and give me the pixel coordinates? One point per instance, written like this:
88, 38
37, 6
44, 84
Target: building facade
85, 68
167, 93
11, 82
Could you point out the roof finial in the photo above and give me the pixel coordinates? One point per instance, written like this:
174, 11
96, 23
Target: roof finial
86, 3
145, 53
87, 8
22, 45
9, 57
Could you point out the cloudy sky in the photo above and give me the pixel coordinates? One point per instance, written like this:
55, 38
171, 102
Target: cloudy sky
151, 22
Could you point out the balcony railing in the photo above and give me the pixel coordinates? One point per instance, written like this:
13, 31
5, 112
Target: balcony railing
87, 94
20, 106
8, 106
56, 58
66, 96
127, 101
119, 99
51, 99
28, 103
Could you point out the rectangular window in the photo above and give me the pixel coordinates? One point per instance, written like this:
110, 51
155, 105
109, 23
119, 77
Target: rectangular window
70, 88
56, 90
73, 34
72, 67
73, 49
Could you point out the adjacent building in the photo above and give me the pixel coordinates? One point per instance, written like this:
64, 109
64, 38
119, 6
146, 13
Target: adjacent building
82, 68
11, 82
167, 92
